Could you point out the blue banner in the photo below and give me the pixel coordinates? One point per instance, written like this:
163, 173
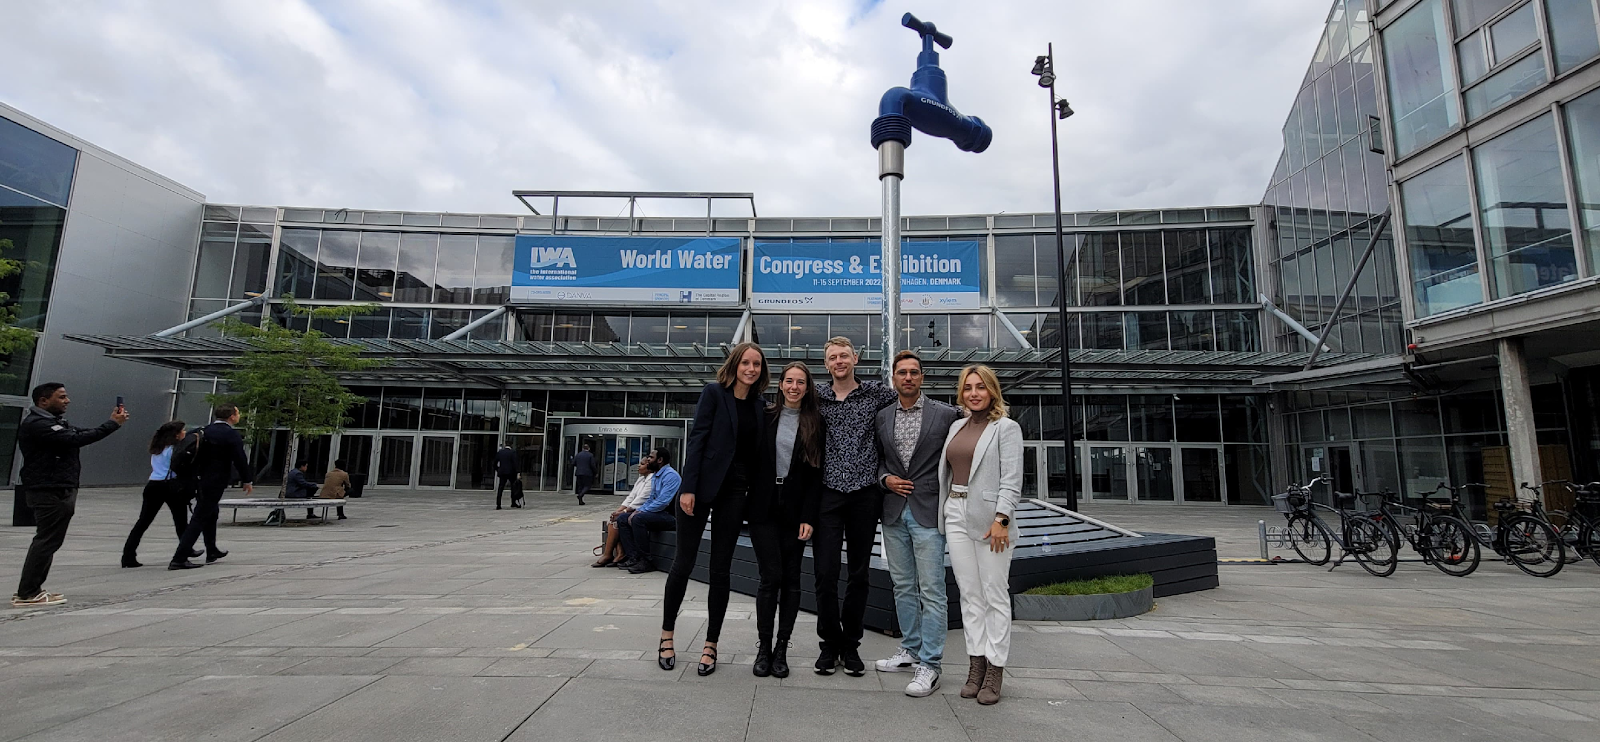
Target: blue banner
845, 276
626, 270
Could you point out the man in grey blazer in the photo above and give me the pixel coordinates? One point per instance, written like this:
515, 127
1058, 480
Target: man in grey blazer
910, 441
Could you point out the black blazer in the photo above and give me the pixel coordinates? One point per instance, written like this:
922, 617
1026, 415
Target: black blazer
712, 442
222, 450
801, 496
505, 463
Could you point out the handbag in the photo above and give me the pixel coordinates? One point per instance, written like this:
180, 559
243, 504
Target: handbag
516, 489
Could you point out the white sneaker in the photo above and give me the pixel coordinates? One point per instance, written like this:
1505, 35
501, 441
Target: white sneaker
924, 683
902, 661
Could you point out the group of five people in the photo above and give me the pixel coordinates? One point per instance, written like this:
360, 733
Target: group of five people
828, 464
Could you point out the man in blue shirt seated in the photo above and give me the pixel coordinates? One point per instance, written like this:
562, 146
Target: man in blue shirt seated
295, 487
655, 514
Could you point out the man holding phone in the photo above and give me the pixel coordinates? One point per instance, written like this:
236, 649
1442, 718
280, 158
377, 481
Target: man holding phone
49, 479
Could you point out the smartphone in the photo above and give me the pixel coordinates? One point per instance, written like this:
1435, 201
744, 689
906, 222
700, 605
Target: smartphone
119, 401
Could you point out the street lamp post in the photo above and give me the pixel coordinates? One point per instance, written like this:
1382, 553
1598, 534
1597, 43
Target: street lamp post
1044, 68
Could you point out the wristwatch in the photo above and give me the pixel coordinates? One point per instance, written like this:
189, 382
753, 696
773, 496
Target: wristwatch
1003, 520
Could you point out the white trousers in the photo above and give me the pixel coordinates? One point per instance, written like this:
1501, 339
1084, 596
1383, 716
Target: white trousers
984, 579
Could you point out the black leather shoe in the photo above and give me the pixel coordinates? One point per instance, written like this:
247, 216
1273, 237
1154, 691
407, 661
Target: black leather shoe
129, 561
704, 669
853, 666
185, 564
666, 662
196, 553
827, 661
762, 667
640, 567
780, 659
214, 557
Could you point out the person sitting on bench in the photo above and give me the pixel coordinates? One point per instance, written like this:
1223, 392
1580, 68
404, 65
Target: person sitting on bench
655, 514
297, 487
334, 487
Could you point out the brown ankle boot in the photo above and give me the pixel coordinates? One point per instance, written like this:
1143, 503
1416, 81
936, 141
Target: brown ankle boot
989, 694
975, 675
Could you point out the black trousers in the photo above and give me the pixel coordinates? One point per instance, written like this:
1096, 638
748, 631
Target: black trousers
583, 483
500, 488
849, 521
202, 525
52, 513
727, 516
159, 493
778, 553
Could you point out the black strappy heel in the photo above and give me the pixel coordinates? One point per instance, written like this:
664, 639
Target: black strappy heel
666, 663
705, 669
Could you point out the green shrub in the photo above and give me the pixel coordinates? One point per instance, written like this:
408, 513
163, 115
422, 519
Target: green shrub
1096, 586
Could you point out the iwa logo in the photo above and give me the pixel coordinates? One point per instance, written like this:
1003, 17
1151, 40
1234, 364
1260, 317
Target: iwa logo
553, 257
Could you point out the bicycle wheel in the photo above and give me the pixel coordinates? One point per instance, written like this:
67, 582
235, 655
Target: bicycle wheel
1589, 540
1568, 531
1451, 546
1534, 546
1390, 528
1372, 548
1310, 539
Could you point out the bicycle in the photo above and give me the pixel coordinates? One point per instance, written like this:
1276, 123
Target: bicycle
1528, 542
1359, 536
1441, 539
1580, 528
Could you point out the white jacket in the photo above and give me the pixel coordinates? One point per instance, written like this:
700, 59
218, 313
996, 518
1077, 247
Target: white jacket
994, 485
640, 492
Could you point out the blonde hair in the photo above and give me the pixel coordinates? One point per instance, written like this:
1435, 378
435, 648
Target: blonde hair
997, 401
840, 340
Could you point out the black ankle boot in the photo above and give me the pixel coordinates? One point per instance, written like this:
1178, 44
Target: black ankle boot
763, 664
780, 659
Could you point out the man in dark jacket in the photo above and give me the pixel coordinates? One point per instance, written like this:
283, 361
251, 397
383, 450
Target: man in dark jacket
49, 478
505, 467
221, 453
583, 470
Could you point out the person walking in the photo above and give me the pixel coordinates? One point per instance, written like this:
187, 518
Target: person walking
723, 459
166, 487
980, 484
783, 514
334, 486
505, 471
583, 470
851, 505
221, 453
49, 481
910, 445
654, 514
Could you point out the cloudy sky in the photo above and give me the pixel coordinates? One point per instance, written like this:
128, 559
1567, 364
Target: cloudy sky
429, 105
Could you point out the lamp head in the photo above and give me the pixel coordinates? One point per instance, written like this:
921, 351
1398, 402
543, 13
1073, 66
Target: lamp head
1062, 109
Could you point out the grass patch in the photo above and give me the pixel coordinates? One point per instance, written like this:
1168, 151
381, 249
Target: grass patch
1096, 586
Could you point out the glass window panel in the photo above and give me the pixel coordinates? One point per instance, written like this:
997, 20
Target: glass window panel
297, 261
336, 265
1198, 419
1513, 33
1192, 331
1100, 270
36, 164
969, 331
492, 285
1506, 85
453, 274
250, 261
1048, 276
1105, 417
369, 326
1421, 87
1249, 473
1238, 330
808, 329
607, 404
494, 329
567, 401
649, 328
1230, 266
681, 404
1146, 330
1583, 133
719, 329
1102, 330
1527, 233
534, 326
446, 321
441, 409
853, 326
1327, 116
927, 331
1143, 272
572, 328
1474, 412
401, 408
409, 324
611, 328
1417, 416
1244, 419
1188, 267
645, 404
1438, 216
214, 266
414, 278
769, 329
688, 328
1470, 14
1572, 32
1150, 417
1422, 464
1014, 272
365, 414
375, 267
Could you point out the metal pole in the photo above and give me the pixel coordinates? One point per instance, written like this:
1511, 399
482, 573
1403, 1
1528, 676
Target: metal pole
1377, 233
891, 169
212, 317
473, 325
1061, 301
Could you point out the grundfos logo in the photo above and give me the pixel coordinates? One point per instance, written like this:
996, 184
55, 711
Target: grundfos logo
553, 257
937, 104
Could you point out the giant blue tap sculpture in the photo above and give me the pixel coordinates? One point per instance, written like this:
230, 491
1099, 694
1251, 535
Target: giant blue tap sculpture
926, 104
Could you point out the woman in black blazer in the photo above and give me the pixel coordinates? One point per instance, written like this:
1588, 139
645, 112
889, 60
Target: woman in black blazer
782, 510
724, 459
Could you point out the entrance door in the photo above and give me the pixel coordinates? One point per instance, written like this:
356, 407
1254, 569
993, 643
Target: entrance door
1044, 470
1335, 461
436, 465
1107, 473
1202, 474
394, 460
1030, 471
1152, 472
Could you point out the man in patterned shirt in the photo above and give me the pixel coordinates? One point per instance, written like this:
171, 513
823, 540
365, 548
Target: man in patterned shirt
851, 504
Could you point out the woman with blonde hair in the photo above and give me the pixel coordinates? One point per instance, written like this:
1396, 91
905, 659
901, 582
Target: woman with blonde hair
980, 477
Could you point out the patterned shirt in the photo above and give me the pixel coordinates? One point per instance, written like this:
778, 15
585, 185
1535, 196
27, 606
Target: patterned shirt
907, 429
851, 456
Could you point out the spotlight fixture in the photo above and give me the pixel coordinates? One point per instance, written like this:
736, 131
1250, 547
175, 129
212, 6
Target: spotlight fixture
1042, 68
1062, 109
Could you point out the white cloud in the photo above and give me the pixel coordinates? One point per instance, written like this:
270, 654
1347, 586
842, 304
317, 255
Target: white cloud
426, 105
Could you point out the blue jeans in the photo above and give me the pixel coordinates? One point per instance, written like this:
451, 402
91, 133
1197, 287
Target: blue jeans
915, 554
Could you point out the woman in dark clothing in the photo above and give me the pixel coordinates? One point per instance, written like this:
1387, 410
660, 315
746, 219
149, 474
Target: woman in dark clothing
782, 512
724, 459
163, 489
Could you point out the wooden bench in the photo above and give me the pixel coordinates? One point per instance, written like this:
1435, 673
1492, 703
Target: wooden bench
282, 503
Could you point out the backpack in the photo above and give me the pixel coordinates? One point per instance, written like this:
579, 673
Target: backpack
186, 456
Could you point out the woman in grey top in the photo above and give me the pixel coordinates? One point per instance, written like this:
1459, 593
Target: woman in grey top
782, 512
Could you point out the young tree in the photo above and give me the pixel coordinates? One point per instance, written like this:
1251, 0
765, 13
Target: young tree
12, 338
287, 379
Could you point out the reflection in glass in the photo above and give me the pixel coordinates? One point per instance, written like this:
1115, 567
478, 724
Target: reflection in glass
611, 328
297, 261
1192, 331
572, 328
1523, 203
1014, 272
492, 284
409, 324
1438, 215
1572, 32
1202, 475
250, 262
375, 267
453, 276
1108, 473
1422, 100
1470, 14
214, 266
1102, 330
36, 164
1505, 86
1230, 266
649, 328
1143, 272
1152, 467
1583, 133
336, 265
1100, 271
1105, 417
688, 328
1513, 33
414, 279
1188, 267
1249, 472
1146, 330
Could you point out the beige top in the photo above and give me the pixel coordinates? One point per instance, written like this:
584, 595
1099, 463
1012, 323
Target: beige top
962, 447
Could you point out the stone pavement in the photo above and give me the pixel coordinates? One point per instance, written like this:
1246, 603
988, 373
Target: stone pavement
430, 616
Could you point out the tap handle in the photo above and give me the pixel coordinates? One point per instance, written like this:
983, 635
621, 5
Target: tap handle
926, 29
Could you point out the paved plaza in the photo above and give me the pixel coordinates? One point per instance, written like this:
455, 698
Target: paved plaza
430, 616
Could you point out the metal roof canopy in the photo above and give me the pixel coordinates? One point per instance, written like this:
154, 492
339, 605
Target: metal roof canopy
688, 365
633, 198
